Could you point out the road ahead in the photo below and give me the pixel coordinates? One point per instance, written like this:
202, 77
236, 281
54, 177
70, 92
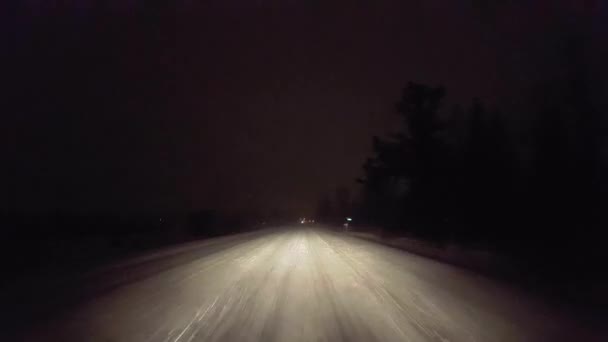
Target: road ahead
299, 285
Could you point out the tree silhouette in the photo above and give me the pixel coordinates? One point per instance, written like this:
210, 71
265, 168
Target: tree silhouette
404, 177
485, 181
479, 183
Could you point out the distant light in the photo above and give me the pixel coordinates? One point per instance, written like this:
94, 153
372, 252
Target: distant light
349, 219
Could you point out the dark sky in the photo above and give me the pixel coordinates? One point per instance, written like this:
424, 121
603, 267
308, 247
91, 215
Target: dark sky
256, 105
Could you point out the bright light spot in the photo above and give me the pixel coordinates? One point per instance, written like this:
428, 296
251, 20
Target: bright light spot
349, 219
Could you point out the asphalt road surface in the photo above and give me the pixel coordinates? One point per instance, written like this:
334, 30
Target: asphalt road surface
298, 285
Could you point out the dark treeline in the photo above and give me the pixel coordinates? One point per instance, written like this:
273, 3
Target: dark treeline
536, 190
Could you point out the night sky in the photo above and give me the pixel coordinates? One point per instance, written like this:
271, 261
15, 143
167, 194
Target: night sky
246, 105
